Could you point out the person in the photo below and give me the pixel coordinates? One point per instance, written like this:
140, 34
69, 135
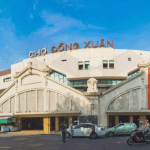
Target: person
146, 123
147, 130
63, 127
29, 126
141, 129
93, 131
72, 131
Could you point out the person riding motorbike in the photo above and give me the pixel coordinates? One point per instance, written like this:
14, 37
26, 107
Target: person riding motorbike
141, 129
147, 130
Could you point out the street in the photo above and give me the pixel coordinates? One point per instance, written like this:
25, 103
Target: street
16, 141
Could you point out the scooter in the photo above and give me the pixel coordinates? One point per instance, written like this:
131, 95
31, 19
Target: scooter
135, 139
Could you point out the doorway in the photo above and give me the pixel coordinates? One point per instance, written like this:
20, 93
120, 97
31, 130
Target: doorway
136, 120
124, 119
32, 123
61, 119
111, 121
52, 128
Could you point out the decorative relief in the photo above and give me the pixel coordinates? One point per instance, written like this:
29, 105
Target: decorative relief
30, 79
92, 85
135, 100
120, 103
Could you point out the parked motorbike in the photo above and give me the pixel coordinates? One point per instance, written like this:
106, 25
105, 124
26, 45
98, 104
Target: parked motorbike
135, 139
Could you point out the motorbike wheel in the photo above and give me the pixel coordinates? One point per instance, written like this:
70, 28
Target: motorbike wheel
130, 141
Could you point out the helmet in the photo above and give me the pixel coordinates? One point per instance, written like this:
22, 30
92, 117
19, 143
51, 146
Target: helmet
141, 122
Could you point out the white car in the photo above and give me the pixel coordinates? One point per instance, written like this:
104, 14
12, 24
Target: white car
85, 129
12, 127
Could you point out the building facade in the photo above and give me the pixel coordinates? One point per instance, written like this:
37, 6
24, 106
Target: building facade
45, 90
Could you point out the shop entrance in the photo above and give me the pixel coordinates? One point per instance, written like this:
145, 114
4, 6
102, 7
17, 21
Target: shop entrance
123, 119
148, 118
136, 120
111, 121
61, 119
32, 123
52, 124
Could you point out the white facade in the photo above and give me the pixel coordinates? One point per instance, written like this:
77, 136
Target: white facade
33, 92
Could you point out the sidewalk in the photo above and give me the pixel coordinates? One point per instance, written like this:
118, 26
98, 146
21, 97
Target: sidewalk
26, 132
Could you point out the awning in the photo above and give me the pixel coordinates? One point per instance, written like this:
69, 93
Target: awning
6, 115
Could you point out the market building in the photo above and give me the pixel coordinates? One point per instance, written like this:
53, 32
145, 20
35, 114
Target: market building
105, 82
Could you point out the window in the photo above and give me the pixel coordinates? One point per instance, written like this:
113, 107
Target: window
105, 64
78, 82
7, 79
59, 77
80, 65
111, 64
64, 60
108, 82
118, 81
87, 65
129, 59
134, 73
113, 82
88, 126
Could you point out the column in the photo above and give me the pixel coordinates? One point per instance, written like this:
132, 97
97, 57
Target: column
70, 120
16, 103
131, 118
45, 100
19, 123
107, 121
46, 124
116, 119
99, 104
56, 124
142, 118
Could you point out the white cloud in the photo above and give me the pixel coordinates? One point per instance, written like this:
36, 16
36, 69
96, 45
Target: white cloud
31, 15
56, 22
34, 5
1, 11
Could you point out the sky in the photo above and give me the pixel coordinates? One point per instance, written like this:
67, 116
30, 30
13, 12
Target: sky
30, 25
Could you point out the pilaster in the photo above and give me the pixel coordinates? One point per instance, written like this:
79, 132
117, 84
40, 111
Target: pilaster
131, 118
116, 119
56, 124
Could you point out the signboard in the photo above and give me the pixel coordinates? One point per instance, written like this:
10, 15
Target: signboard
64, 47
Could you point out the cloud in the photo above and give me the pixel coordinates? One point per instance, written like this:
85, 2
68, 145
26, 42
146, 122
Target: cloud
34, 5
55, 22
1, 11
71, 3
31, 15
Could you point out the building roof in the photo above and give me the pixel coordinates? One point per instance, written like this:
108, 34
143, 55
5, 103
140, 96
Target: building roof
1, 90
133, 71
102, 77
5, 72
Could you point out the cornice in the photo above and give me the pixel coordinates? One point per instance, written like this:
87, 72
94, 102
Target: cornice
7, 89
143, 65
133, 71
30, 66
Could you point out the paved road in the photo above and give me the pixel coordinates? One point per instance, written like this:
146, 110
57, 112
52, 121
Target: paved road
13, 141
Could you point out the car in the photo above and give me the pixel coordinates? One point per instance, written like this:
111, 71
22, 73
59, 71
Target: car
85, 129
4, 128
121, 129
12, 127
